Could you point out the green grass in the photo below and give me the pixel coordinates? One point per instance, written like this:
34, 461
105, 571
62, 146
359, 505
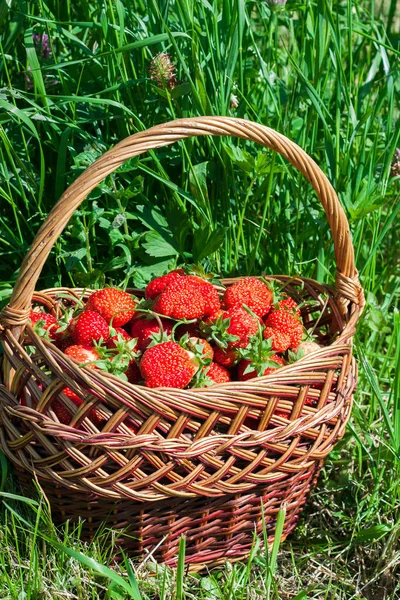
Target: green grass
326, 74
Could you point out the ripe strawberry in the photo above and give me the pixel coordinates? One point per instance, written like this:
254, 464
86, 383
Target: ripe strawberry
252, 292
216, 373
167, 365
188, 297
280, 341
191, 329
142, 329
63, 414
113, 305
88, 328
242, 324
65, 342
44, 322
83, 355
286, 322
246, 370
121, 335
226, 358
159, 284
205, 348
133, 373
289, 304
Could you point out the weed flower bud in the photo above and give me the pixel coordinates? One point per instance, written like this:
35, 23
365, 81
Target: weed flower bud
162, 71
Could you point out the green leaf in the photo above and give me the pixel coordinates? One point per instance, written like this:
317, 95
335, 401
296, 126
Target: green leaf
157, 246
240, 157
206, 242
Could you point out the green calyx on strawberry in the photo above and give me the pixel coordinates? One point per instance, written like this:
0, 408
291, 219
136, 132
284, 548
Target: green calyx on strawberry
45, 325
118, 358
199, 271
217, 331
282, 301
210, 375
233, 328
199, 347
151, 330
258, 359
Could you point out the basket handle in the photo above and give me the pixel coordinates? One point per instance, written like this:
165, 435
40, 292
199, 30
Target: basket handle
348, 288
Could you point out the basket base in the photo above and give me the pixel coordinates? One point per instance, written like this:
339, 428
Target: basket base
216, 529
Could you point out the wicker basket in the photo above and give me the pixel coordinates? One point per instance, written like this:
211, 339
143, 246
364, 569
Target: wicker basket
205, 463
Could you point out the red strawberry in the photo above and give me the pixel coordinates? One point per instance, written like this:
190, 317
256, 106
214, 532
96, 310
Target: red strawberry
42, 320
242, 324
65, 342
123, 336
217, 373
188, 297
167, 365
63, 414
226, 358
113, 305
242, 376
286, 322
280, 341
89, 327
142, 329
252, 292
207, 350
159, 284
83, 355
133, 373
191, 329
289, 304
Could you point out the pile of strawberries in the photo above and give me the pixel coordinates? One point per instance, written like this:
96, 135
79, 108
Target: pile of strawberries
186, 332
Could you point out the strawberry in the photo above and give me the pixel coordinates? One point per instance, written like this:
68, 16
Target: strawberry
188, 297
303, 349
133, 373
216, 373
242, 325
226, 358
88, 328
167, 365
45, 325
82, 354
120, 336
286, 322
113, 305
65, 342
159, 284
247, 370
252, 292
144, 329
191, 329
287, 303
280, 341
63, 414
203, 347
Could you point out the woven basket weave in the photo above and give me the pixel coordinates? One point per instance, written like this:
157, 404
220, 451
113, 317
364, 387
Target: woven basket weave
204, 463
